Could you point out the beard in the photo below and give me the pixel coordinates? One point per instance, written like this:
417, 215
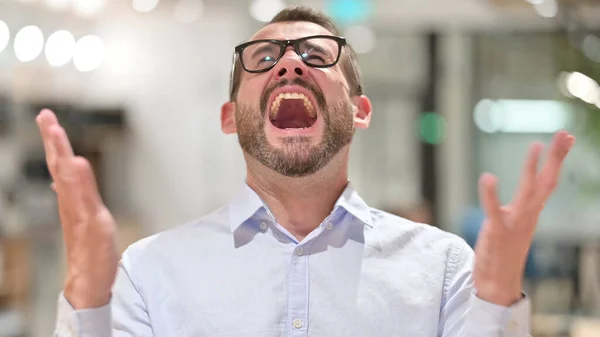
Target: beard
297, 157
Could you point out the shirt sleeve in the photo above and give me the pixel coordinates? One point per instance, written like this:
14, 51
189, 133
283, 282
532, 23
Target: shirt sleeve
124, 316
463, 314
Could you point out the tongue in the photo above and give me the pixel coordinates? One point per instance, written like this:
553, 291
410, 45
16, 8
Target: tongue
292, 115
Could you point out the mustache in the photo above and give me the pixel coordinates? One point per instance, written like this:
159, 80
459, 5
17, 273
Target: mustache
317, 93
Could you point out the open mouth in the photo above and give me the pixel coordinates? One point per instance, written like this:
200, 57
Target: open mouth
292, 110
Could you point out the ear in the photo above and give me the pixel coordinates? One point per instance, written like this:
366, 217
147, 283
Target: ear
362, 111
228, 118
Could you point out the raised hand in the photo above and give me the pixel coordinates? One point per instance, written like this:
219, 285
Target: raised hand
88, 227
507, 232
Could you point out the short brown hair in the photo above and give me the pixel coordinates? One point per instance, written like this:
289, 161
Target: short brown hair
349, 62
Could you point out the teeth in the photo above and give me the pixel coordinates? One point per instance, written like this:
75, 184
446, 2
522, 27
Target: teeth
292, 95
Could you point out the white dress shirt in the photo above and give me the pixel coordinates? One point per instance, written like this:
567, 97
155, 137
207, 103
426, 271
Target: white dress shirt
237, 272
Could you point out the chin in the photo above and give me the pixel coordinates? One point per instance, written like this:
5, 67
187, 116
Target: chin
292, 140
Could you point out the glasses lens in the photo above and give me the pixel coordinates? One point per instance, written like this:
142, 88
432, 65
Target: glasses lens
319, 51
261, 55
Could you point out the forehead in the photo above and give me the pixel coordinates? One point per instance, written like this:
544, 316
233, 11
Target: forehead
290, 30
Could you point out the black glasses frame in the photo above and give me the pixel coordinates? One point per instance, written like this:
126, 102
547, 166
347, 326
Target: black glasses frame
283, 44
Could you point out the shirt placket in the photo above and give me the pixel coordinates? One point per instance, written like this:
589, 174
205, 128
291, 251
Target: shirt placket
299, 279
298, 284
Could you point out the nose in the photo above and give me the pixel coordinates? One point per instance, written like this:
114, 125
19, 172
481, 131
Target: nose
290, 66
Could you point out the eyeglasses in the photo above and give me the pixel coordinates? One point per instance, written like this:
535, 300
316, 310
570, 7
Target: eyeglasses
319, 51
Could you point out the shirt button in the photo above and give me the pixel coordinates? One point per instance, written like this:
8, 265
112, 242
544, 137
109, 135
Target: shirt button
299, 251
297, 323
263, 225
329, 225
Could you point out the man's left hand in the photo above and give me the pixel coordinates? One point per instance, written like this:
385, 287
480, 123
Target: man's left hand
507, 232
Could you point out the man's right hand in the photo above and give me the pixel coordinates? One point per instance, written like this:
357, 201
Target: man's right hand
89, 229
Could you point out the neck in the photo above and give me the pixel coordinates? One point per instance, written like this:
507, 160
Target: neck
300, 204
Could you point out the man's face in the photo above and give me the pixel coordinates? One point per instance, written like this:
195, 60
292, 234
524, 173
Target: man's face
294, 118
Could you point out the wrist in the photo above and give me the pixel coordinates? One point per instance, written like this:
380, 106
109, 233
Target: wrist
80, 296
499, 295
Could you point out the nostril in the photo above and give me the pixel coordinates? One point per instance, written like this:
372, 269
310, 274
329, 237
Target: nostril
282, 71
298, 71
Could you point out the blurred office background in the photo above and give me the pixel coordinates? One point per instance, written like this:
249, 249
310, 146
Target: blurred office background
459, 87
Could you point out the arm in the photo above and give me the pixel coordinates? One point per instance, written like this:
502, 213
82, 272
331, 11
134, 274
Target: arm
100, 294
498, 307
463, 314
124, 316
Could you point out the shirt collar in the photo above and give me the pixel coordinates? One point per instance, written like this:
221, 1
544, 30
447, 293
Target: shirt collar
244, 206
355, 205
247, 203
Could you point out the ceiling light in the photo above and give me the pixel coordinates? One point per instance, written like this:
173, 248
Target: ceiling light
4, 35
59, 48
144, 6
88, 8
547, 9
88, 54
29, 43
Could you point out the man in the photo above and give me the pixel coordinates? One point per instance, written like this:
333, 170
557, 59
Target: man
298, 252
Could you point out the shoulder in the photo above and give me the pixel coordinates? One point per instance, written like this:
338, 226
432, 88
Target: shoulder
397, 233
177, 240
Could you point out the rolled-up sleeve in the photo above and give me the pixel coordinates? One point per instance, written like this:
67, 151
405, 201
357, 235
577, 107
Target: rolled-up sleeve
463, 314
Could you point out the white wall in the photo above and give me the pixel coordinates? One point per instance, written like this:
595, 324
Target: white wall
172, 78
173, 164
181, 165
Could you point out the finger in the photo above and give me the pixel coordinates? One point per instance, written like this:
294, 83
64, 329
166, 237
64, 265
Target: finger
65, 179
58, 156
43, 122
56, 142
46, 118
60, 141
489, 199
68, 219
89, 189
527, 185
548, 177
62, 150
69, 194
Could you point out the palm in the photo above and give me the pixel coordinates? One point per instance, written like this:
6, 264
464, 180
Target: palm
96, 252
507, 231
88, 227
